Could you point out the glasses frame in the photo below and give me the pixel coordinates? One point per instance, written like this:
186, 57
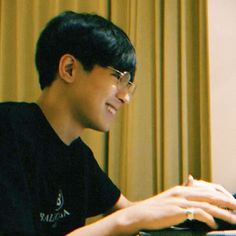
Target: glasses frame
126, 80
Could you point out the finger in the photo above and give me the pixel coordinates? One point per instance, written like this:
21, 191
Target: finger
211, 196
223, 190
189, 181
214, 211
224, 215
203, 216
202, 183
219, 201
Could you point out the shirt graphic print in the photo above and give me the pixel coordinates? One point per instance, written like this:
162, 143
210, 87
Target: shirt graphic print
59, 212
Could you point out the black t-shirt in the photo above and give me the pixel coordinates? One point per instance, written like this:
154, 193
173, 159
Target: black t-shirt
46, 187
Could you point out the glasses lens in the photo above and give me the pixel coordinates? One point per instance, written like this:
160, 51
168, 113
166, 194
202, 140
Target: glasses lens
124, 80
131, 88
126, 83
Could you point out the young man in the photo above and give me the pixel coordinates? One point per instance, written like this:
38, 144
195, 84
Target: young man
49, 179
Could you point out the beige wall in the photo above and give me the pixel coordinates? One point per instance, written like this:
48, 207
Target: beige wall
222, 45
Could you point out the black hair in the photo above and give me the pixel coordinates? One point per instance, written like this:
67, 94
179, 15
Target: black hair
90, 38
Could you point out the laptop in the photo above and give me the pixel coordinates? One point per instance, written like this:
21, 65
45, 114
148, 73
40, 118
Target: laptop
194, 228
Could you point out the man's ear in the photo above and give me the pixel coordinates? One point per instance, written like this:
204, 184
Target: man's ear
66, 67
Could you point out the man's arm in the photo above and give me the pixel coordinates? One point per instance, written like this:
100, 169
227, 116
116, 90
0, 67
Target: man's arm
122, 203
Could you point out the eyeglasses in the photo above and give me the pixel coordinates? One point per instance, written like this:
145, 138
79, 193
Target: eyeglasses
124, 80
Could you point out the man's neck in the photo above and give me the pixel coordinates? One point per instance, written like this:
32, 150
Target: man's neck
59, 117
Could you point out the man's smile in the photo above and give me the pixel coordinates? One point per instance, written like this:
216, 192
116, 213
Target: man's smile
111, 109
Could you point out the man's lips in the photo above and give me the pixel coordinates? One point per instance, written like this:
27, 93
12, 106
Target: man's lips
111, 109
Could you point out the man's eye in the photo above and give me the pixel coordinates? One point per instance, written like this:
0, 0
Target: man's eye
117, 75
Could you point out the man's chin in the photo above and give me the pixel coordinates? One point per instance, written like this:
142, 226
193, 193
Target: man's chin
105, 129
101, 128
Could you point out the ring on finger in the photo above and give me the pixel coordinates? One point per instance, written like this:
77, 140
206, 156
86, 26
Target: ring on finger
189, 214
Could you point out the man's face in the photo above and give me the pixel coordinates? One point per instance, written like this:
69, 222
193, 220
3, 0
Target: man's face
95, 97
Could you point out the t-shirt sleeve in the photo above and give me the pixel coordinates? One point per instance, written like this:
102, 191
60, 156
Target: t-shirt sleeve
102, 192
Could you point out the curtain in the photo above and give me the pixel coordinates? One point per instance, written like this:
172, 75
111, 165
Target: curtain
163, 134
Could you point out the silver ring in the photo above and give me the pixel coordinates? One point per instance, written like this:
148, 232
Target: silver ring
189, 214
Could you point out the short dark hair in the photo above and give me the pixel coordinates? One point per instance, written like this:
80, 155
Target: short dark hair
90, 38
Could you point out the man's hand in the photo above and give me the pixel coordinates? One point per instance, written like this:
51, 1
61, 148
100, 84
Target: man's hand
196, 199
199, 200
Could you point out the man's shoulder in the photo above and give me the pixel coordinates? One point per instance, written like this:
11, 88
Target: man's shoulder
8, 106
10, 111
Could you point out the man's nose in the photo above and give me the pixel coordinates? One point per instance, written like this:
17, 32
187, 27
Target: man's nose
124, 95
